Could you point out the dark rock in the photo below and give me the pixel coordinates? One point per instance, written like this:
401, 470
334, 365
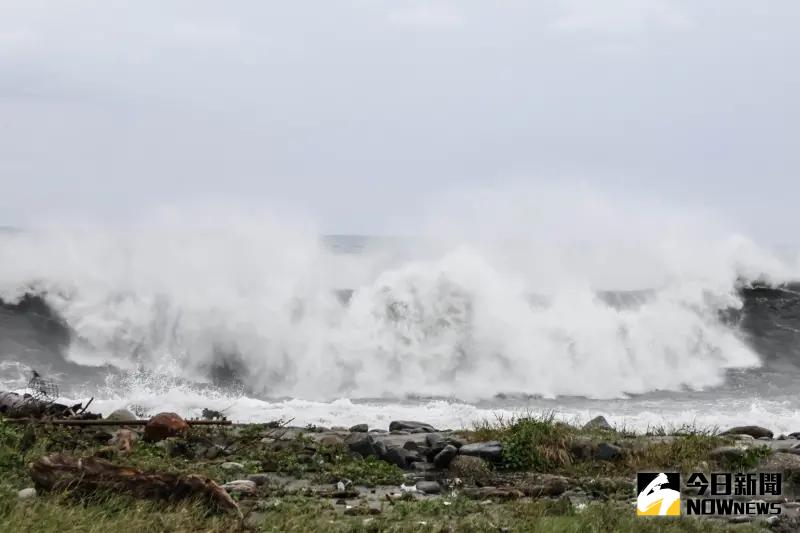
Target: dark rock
361, 443
411, 446
429, 487
443, 458
433, 440
581, 448
398, 457
455, 441
754, 431
380, 449
491, 450
547, 485
360, 428
163, 426
607, 452
598, 422
421, 466
399, 425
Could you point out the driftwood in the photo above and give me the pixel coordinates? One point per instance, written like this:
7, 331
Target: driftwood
15, 405
60, 472
79, 422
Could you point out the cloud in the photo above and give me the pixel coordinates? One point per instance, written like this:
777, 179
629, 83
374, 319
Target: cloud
207, 34
19, 39
622, 16
427, 16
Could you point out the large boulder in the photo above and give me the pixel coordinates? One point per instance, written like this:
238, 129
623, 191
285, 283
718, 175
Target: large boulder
361, 443
490, 450
163, 426
598, 422
359, 428
606, 451
546, 485
754, 431
409, 425
443, 458
121, 415
243, 487
399, 457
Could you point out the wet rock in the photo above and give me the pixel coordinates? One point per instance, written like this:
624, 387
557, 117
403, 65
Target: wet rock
754, 431
607, 452
547, 485
411, 446
360, 428
491, 450
244, 487
398, 456
26, 494
434, 440
443, 458
361, 443
455, 441
409, 425
121, 415
421, 466
598, 422
429, 487
163, 426
230, 465
380, 449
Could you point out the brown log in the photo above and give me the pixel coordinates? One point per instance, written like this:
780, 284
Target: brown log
60, 472
68, 422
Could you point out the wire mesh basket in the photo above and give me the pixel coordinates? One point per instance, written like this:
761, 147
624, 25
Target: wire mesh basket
42, 389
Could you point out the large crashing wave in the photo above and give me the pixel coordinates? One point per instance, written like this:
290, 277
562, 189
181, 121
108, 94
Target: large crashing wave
464, 320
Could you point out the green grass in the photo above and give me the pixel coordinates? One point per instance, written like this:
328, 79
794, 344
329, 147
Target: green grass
103, 513
532, 443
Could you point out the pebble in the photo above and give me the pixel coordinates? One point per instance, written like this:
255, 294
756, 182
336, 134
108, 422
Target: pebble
27, 494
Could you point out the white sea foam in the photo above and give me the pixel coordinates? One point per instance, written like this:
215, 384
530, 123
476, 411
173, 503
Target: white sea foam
467, 318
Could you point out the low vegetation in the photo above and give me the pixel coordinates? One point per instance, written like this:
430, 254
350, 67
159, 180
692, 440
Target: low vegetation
531, 444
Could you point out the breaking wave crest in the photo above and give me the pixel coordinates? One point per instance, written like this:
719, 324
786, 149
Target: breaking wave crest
285, 314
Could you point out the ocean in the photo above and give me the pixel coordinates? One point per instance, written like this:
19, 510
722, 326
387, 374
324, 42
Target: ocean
264, 323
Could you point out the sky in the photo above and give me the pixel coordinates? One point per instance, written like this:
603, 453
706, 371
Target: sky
357, 111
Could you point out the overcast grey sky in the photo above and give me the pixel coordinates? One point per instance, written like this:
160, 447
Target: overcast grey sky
354, 110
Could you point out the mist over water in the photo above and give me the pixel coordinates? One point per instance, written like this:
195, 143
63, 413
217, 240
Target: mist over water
545, 293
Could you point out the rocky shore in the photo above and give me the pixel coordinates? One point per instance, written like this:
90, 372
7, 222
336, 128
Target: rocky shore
530, 473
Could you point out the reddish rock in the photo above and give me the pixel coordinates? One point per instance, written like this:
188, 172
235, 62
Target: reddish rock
165, 425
